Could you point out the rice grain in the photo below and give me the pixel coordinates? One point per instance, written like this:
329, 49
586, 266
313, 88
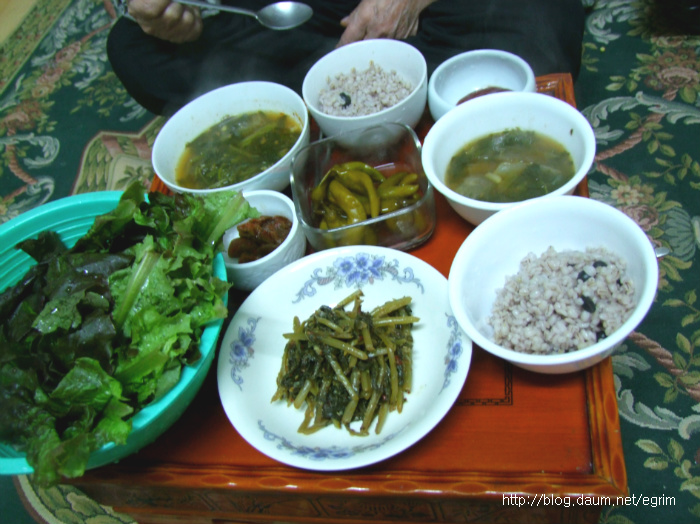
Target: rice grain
562, 301
365, 92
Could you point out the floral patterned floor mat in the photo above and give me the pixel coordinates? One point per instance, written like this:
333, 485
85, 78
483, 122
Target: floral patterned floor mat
67, 126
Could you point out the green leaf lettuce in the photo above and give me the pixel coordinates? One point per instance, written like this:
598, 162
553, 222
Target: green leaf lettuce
92, 334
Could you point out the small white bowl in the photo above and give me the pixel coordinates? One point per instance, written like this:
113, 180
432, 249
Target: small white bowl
210, 109
249, 275
389, 55
495, 248
473, 71
482, 116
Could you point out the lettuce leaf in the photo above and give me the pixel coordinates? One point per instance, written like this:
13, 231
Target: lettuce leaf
92, 334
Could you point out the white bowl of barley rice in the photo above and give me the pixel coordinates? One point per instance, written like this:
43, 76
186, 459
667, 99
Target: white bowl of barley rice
367, 83
553, 285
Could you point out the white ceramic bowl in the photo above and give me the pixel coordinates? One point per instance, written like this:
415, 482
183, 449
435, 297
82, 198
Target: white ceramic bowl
495, 248
390, 55
249, 275
210, 109
473, 71
482, 116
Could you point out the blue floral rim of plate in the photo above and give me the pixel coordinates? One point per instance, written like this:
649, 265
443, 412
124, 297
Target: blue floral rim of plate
355, 272
318, 453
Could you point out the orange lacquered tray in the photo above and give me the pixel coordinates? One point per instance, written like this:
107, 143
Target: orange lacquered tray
554, 441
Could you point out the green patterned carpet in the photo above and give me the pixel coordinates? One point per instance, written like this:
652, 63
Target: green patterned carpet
67, 126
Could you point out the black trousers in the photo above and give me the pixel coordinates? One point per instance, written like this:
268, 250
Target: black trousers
163, 77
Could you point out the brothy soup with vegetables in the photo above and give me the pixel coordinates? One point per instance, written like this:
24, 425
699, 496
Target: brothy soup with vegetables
509, 166
236, 149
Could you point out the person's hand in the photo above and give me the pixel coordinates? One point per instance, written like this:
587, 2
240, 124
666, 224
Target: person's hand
397, 19
167, 20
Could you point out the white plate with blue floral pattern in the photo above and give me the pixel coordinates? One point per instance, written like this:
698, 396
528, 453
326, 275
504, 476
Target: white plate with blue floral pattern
251, 355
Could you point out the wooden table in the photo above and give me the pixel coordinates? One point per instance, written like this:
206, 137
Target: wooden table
516, 447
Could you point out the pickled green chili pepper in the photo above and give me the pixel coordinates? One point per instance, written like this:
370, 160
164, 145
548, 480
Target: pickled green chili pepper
400, 191
360, 182
352, 181
352, 192
318, 194
347, 201
390, 182
352, 212
409, 178
398, 185
332, 218
374, 173
353, 176
388, 205
365, 203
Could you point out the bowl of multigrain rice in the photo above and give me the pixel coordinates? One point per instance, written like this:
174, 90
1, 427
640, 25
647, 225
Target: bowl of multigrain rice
553, 285
367, 83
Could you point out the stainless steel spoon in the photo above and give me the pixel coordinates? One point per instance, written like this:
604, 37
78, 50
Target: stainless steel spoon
279, 16
661, 251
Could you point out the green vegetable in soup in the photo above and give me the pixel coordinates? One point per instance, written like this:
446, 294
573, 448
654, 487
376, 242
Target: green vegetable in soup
236, 149
509, 166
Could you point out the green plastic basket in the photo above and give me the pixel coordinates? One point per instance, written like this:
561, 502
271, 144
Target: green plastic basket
71, 218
